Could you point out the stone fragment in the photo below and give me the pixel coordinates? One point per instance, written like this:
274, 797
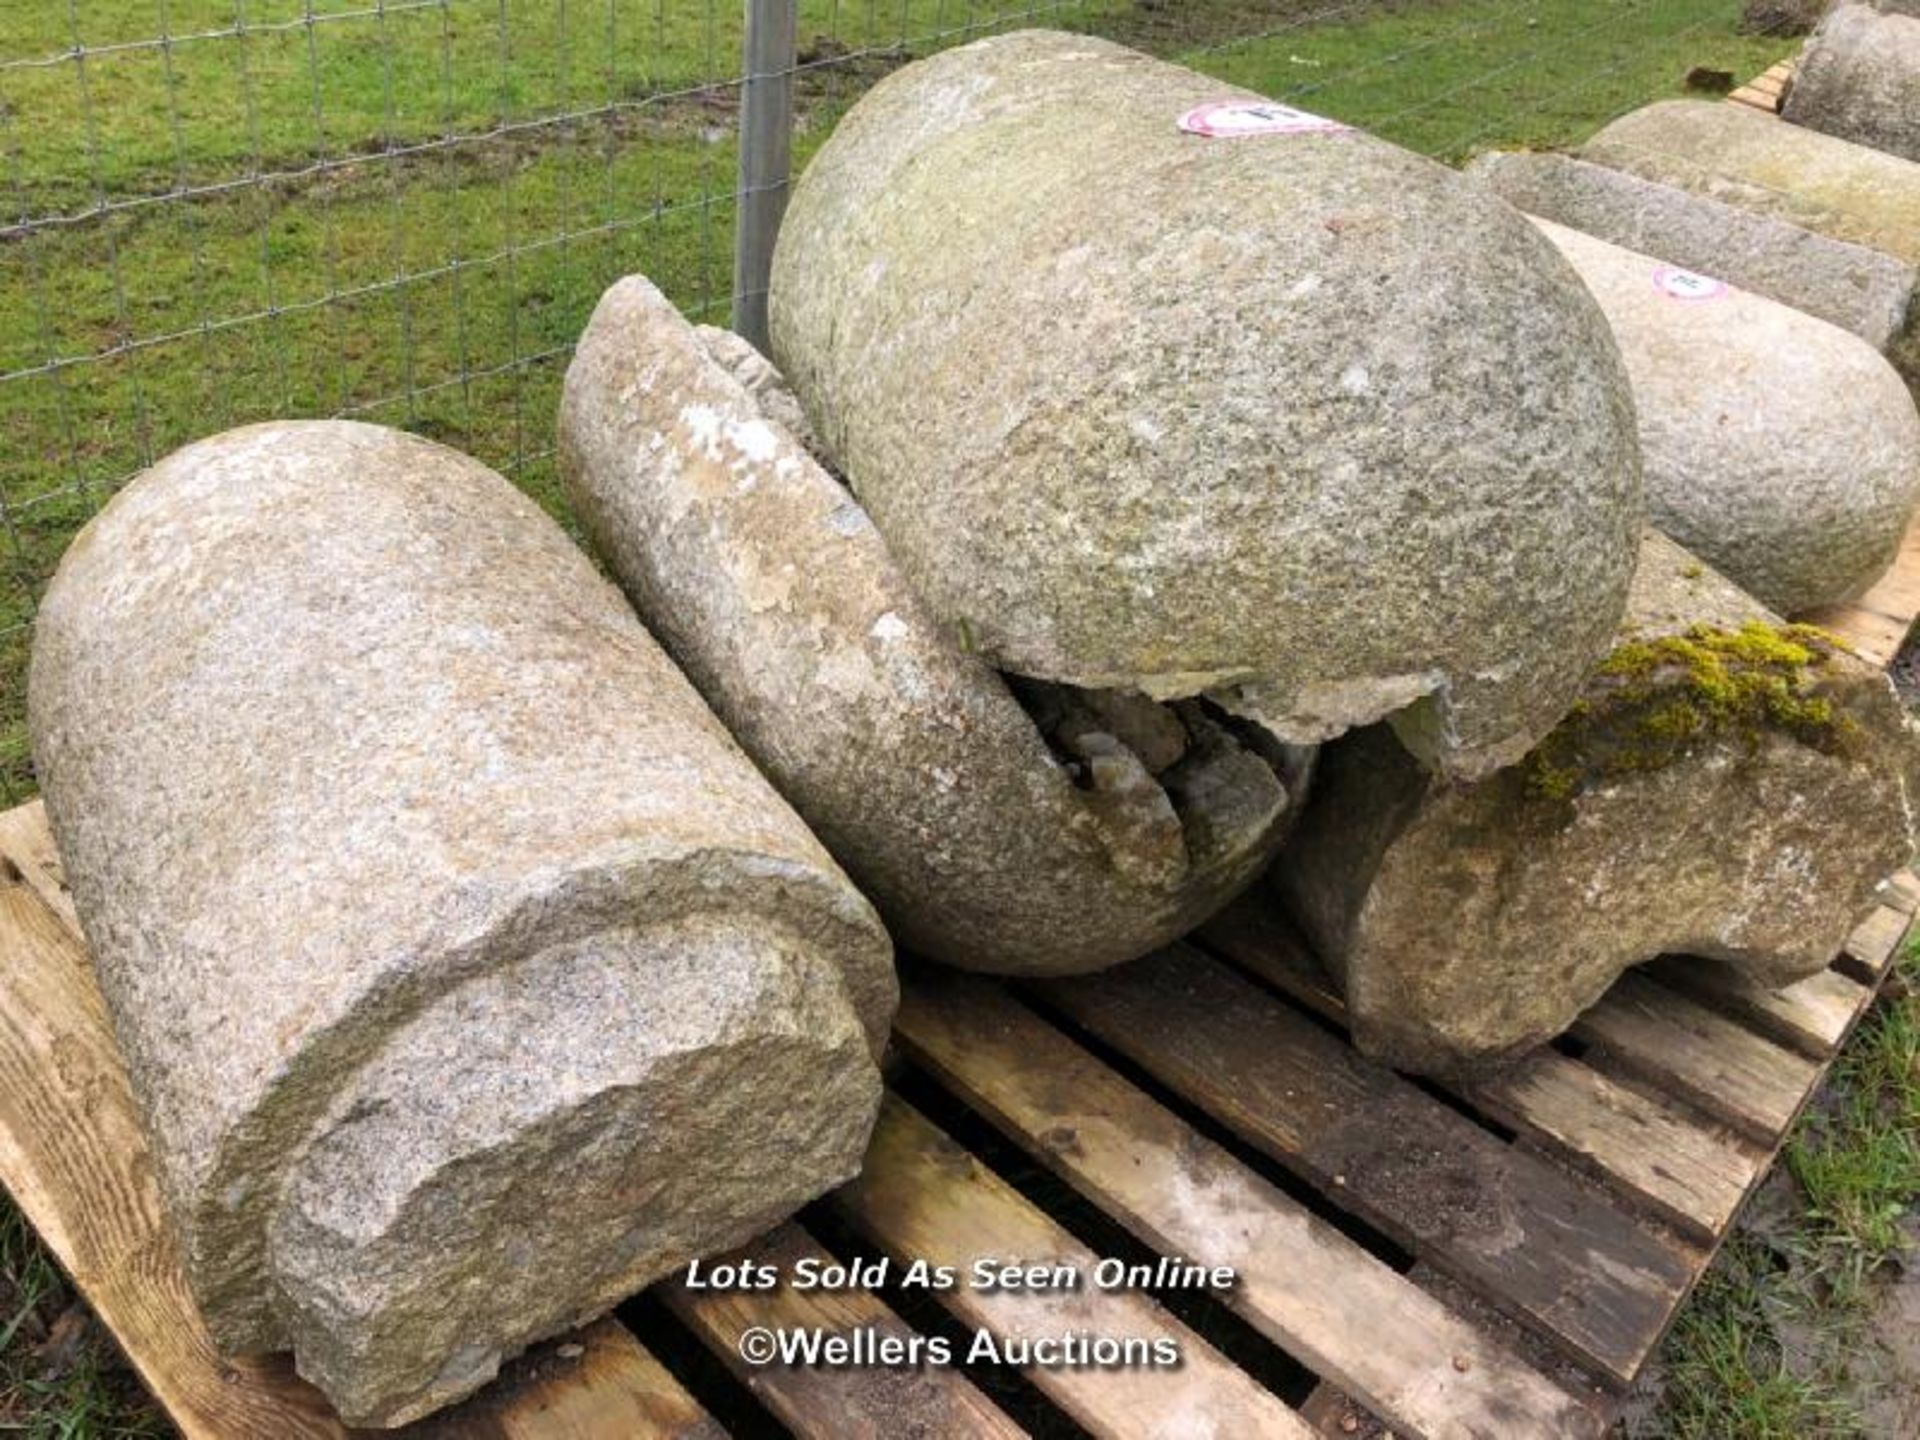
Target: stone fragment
1869, 292
1154, 385
1778, 448
1859, 79
469, 977
1728, 787
983, 845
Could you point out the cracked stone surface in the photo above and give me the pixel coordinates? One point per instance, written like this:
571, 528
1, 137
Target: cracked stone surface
1053, 832
1294, 419
1859, 79
1780, 449
1469, 922
469, 976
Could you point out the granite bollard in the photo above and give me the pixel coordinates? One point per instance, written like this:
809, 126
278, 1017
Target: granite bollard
1780, 449
1872, 293
1075, 832
469, 977
1152, 384
1728, 787
1859, 79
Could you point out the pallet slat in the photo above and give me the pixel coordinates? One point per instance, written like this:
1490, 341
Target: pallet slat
1694, 1180
1731, 1073
77, 1164
1811, 1015
1505, 1222
1343, 1313
921, 1196
857, 1402
1876, 940
1691, 1177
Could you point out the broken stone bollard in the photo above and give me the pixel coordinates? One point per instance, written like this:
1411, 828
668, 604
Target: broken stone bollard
1154, 385
1778, 448
469, 977
912, 760
1867, 291
1759, 163
1728, 787
1859, 79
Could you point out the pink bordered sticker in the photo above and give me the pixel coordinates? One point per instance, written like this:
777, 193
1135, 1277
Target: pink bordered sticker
1677, 284
1234, 119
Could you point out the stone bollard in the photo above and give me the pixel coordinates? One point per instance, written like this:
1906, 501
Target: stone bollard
1154, 385
1874, 294
469, 977
1778, 448
913, 760
1859, 79
1728, 787
1759, 163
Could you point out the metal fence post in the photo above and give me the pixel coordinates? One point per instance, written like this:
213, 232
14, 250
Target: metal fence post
766, 146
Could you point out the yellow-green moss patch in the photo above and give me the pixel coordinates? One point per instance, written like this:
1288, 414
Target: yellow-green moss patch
1650, 702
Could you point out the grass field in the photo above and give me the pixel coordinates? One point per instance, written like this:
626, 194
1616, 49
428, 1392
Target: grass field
417, 237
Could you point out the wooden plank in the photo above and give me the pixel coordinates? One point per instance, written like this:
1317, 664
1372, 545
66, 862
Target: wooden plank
1901, 891
27, 844
1687, 1174
76, 1163
1811, 1015
1874, 637
1530, 1238
1876, 940
858, 1401
920, 1196
1705, 1058
595, 1384
1324, 1299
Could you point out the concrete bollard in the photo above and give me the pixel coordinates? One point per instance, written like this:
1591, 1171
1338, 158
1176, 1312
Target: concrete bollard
1778, 448
912, 759
1152, 384
1859, 79
1728, 787
469, 977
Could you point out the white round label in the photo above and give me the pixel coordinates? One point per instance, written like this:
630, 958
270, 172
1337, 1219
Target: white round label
1231, 119
1677, 284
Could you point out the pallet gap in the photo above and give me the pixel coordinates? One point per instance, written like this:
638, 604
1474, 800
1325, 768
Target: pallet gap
704, 1373
1023, 1401
1207, 1317
1388, 1251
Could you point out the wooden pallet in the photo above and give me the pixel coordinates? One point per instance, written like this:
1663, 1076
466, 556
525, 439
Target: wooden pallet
1496, 1261
1766, 91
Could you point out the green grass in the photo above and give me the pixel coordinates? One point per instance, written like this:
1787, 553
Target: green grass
60, 1379
1777, 1342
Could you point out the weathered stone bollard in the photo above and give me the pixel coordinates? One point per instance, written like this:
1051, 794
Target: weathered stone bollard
911, 759
1728, 787
1778, 448
1737, 155
1859, 79
1152, 384
1869, 292
469, 977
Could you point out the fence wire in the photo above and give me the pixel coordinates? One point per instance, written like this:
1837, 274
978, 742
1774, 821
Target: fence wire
223, 211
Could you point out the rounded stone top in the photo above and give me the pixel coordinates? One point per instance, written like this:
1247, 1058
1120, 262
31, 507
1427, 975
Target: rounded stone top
1151, 384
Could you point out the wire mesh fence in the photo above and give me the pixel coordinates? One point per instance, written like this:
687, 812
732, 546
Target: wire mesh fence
221, 211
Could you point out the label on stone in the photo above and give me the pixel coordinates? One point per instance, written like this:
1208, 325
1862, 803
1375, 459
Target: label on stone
1677, 284
1233, 119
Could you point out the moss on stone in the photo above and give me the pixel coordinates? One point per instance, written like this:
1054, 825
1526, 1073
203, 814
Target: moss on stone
1651, 702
